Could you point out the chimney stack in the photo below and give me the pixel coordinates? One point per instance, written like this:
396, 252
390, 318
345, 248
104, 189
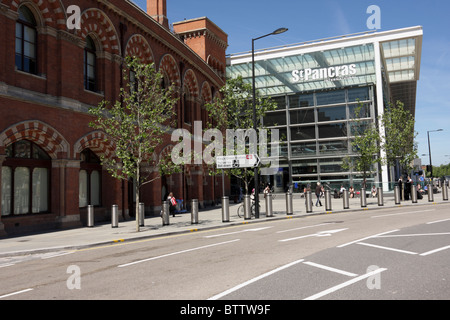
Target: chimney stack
157, 9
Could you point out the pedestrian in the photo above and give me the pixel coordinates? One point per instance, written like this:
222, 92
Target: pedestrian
318, 192
400, 185
351, 192
374, 191
266, 190
408, 184
172, 203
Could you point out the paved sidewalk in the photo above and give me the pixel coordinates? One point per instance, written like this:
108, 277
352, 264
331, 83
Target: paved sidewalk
211, 218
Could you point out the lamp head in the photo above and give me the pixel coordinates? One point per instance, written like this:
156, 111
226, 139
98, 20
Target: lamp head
280, 30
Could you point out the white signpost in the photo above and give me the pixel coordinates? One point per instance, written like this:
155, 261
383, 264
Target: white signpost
237, 161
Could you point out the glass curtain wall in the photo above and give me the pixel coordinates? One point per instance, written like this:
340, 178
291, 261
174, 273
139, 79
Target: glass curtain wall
316, 94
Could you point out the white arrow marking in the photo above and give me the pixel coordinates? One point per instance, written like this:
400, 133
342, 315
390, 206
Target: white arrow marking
327, 233
246, 230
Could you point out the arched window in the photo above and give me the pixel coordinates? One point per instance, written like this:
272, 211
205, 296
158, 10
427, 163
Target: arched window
25, 179
90, 182
26, 41
187, 107
90, 60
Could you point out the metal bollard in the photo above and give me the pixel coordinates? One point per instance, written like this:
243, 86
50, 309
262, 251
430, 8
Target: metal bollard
308, 202
430, 193
397, 194
346, 199
289, 205
90, 216
444, 192
194, 211
115, 216
363, 198
247, 207
225, 209
413, 194
269, 208
165, 213
328, 200
141, 214
380, 196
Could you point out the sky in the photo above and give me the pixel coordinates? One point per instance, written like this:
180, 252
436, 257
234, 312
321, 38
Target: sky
309, 20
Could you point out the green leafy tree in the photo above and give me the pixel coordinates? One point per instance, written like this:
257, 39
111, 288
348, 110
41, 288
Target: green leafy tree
136, 124
235, 111
365, 145
398, 142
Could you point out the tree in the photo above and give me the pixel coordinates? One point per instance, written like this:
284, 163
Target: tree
136, 125
365, 144
398, 142
234, 112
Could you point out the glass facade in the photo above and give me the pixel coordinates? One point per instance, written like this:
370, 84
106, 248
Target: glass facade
316, 94
318, 85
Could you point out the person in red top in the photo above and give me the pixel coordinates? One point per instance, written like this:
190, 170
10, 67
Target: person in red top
172, 203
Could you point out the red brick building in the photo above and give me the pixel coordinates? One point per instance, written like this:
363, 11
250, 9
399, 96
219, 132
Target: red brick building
52, 73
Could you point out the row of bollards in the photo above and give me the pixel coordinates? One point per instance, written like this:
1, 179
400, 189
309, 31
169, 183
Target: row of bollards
165, 214
430, 193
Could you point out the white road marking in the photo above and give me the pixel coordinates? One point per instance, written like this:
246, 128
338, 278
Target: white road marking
326, 233
345, 284
14, 293
235, 232
374, 236
220, 295
385, 248
54, 255
415, 235
396, 214
316, 225
434, 251
178, 252
438, 221
330, 269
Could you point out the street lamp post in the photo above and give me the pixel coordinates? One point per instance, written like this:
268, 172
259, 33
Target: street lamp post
429, 151
278, 31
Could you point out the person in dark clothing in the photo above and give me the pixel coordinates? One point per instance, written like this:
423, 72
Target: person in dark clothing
318, 192
408, 184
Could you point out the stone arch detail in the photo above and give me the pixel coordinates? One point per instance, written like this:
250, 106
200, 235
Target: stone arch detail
51, 12
138, 46
45, 136
96, 21
169, 66
206, 92
96, 141
190, 81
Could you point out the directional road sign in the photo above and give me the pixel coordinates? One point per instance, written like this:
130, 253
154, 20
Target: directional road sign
237, 161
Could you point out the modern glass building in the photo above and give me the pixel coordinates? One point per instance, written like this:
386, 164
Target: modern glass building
317, 86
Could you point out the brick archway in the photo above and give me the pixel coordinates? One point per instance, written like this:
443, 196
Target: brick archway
48, 138
190, 81
169, 66
52, 12
206, 92
96, 141
137, 46
95, 21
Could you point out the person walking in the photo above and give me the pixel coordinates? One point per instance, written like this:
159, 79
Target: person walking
318, 193
172, 204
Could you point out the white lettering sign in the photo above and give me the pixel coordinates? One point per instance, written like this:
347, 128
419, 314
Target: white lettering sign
331, 73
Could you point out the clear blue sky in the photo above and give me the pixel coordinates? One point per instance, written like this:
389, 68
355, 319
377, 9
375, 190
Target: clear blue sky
306, 20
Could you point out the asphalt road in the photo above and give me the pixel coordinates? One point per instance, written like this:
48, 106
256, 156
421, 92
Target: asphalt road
392, 253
